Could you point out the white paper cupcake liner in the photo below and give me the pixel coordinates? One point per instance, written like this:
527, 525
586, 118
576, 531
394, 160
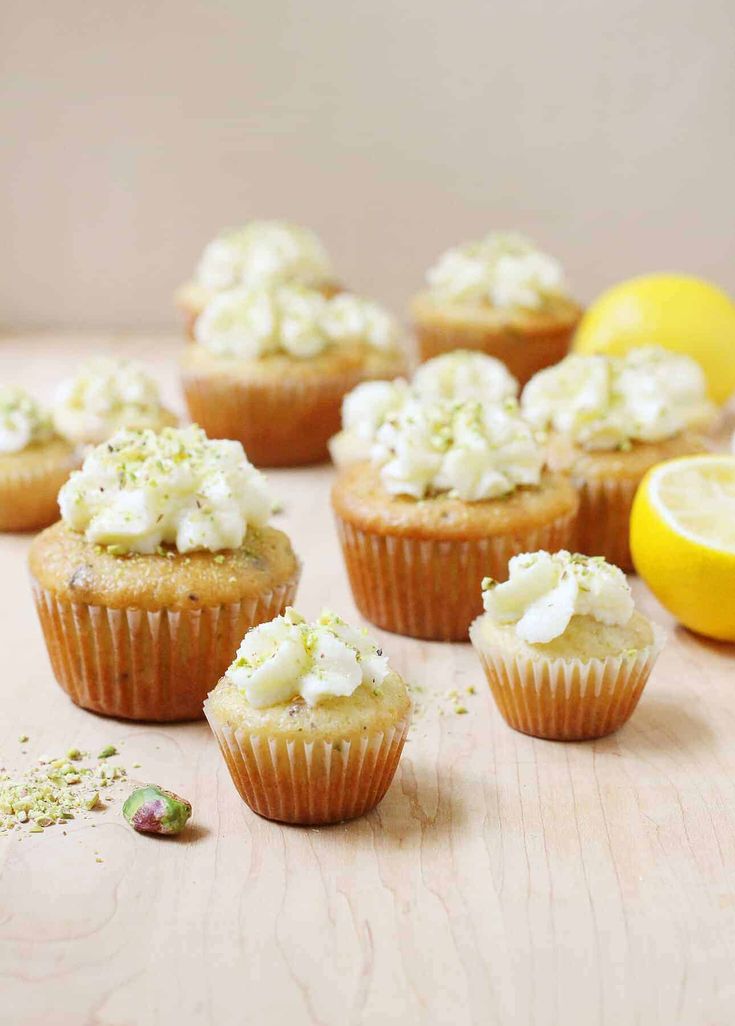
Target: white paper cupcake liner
429, 588
143, 665
313, 782
603, 522
566, 700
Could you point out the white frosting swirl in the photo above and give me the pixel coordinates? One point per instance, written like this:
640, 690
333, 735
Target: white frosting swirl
141, 490
264, 253
543, 593
105, 395
604, 402
503, 269
289, 658
472, 450
249, 323
463, 374
22, 421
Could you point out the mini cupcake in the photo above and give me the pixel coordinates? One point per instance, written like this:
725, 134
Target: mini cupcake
260, 254
310, 719
458, 375
272, 365
34, 463
104, 396
610, 419
452, 491
564, 650
162, 560
502, 296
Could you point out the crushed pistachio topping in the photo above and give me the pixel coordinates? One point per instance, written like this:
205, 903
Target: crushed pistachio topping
22, 421
290, 658
264, 253
247, 323
141, 490
54, 791
544, 591
503, 269
471, 450
610, 402
105, 395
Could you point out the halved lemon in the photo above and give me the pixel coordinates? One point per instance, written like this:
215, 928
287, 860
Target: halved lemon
682, 537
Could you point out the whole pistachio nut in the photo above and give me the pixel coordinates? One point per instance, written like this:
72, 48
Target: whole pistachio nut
151, 810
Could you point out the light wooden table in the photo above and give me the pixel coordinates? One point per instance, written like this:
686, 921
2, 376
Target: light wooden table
502, 880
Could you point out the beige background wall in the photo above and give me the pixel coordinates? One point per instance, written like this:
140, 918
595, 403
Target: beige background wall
131, 132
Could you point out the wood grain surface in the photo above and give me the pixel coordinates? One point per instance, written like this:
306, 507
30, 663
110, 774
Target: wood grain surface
503, 880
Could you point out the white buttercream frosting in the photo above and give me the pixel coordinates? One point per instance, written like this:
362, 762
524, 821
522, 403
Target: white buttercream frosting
543, 592
472, 450
604, 402
503, 269
249, 323
23, 421
289, 658
105, 395
463, 374
264, 253
141, 490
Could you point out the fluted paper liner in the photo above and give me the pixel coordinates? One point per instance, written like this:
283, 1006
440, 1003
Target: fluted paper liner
429, 588
144, 665
285, 423
310, 783
603, 521
566, 699
29, 496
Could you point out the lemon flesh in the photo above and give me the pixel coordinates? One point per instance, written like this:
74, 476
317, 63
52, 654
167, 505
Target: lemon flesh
682, 538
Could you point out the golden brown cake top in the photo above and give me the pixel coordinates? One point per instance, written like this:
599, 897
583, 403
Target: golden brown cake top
79, 571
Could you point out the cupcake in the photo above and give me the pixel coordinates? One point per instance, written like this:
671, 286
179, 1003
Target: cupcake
565, 652
34, 463
502, 296
310, 719
272, 365
163, 558
260, 254
105, 395
452, 490
609, 420
458, 375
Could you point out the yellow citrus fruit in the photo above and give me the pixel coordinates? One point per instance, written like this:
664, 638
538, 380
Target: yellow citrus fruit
684, 314
682, 537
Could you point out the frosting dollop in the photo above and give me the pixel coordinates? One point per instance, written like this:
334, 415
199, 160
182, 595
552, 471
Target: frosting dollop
544, 591
289, 658
472, 450
464, 374
141, 490
264, 253
503, 269
23, 421
105, 395
607, 402
247, 323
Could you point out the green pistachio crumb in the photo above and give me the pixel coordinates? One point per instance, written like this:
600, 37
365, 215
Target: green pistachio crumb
107, 751
219, 558
23, 738
74, 754
461, 710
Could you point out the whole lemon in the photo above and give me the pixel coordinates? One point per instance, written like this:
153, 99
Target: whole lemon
681, 313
